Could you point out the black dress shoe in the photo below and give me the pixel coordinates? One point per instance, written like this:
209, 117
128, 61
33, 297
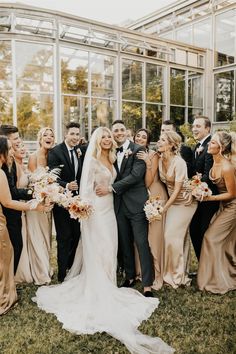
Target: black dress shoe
128, 283
148, 294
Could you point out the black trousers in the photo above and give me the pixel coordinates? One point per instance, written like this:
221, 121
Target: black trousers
14, 227
200, 222
67, 235
134, 228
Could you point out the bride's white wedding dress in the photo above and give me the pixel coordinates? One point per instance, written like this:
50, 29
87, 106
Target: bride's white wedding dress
91, 302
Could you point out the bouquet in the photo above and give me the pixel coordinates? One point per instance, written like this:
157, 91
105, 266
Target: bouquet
153, 209
78, 208
44, 184
198, 188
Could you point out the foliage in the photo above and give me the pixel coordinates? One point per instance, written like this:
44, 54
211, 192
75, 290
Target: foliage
185, 129
191, 321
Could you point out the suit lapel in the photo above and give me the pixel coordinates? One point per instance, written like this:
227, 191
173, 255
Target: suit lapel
66, 155
125, 160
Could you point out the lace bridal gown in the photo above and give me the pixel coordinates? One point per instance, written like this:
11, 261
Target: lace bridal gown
91, 302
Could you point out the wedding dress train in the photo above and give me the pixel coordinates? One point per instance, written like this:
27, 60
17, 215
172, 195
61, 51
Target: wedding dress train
91, 302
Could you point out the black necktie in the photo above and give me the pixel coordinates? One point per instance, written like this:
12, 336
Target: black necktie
196, 147
72, 160
119, 149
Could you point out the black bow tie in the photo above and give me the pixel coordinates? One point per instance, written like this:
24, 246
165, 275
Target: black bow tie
120, 149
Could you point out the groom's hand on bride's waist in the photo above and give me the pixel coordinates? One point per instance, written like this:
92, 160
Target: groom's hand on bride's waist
101, 190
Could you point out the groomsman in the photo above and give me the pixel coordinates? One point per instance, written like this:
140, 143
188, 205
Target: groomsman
130, 195
68, 158
202, 163
185, 151
13, 217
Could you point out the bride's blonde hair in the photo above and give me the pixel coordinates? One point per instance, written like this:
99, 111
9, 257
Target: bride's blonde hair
98, 150
227, 143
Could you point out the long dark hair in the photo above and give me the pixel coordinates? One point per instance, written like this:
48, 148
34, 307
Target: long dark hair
4, 147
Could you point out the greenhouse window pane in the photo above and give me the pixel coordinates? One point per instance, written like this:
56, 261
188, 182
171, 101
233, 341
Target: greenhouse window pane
103, 113
177, 114
75, 109
224, 96
195, 89
102, 75
132, 115
34, 111
225, 44
6, 108
154, 117
5, 65
154, 83
74, 71
132, 80
177, 87
34, 71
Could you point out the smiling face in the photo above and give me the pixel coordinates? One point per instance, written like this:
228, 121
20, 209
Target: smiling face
47, 139
15, 139
20, 151
106, 141
119, 133
141, 138
163, 144
199, 129
72, 137
213, 146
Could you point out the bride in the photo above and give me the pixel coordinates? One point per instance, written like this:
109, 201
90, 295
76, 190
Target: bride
91, 302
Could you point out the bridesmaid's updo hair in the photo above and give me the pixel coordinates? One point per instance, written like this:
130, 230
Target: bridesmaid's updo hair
227, 143
173, 139
98, 150
4, 147
41, 132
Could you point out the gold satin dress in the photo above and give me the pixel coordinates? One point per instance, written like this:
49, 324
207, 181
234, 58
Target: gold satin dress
178, 218
217, 265
8, 294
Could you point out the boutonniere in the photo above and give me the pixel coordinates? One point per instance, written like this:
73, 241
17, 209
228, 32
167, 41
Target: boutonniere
199, 150
79, 153
128, 152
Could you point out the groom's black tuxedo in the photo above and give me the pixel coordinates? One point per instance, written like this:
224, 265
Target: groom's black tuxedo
130, 194
202, 163
67, 229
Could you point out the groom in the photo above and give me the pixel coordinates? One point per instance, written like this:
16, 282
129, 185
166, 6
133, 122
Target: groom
130, 195
67, 229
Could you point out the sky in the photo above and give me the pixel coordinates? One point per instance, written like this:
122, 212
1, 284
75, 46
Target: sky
108, 11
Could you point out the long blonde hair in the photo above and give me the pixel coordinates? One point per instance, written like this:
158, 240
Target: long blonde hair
227, 143
98, 150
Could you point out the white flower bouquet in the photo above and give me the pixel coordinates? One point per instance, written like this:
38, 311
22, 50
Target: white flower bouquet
198, 188
44, 184
153, 209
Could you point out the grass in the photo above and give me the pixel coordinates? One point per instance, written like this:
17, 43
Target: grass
189, 320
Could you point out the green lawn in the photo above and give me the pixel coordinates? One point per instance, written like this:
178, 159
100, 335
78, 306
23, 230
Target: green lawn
187, 319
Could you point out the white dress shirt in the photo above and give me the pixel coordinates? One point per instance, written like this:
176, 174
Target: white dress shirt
120, 155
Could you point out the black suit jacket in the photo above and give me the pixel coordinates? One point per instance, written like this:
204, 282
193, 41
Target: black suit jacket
59, 157
129, 185
202, 163
16, 193
187, 154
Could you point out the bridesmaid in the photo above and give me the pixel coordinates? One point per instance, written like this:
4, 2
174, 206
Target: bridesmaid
39, 225
217, 266
179, 210
23, 273
156, 188
8, 296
